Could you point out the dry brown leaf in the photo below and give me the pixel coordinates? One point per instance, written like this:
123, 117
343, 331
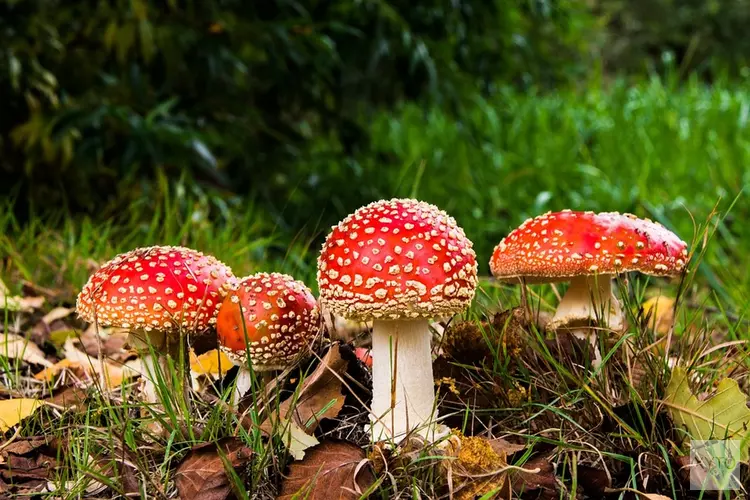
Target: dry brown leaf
319, 397
27, 464
109, 374
202, 474
18, 347
504, 447
69, 397
328, 473
543, 480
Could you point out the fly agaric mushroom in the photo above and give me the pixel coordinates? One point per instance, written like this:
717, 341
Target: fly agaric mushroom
161, 294
272, 318
587, 249
399, 263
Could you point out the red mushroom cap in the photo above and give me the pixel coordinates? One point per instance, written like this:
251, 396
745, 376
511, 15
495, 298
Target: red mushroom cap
156, 288
566, 244
397, 259
279, 315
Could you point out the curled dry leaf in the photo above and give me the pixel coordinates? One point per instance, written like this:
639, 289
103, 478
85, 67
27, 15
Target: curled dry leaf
109, 375
537, 475
333, 470
202, 473
319, 397
17, 347
26, 465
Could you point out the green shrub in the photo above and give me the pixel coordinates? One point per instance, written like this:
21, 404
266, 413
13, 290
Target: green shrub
98, 95
706, 37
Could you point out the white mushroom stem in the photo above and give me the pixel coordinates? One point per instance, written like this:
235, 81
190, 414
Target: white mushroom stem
157, 366
403, 397
242, 385
588, 299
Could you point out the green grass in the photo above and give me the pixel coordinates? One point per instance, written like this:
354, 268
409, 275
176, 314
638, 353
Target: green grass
670, 154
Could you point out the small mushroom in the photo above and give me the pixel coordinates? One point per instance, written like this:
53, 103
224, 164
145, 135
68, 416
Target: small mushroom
161, 294
588, 250
398, 262
270, 318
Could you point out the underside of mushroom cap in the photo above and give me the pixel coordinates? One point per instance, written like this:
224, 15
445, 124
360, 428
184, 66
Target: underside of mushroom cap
271, 317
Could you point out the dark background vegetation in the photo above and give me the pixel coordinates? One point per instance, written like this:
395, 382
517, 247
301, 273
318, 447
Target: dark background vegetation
300, 108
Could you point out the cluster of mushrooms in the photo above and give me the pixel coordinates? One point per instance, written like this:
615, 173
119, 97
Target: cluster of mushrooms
398, 263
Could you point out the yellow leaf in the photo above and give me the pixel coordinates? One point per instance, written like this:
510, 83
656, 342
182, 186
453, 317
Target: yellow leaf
17, 347
51, 371
661, 309
12, 411
110, 375
213, 362
722, 416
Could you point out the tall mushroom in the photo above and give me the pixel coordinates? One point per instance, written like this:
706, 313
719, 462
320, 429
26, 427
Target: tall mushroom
272, 318
398, 262
161, 294
588, 250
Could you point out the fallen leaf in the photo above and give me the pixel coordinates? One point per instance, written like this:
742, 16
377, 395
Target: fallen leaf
27, 464
18, 347
503, 446
58, 337
653, 496
12, 411
69, 397
22, 446
202, 473
330, 471
110, 375
319, 397
660, 311
16, 303
213, 362
49, 373
298, 441
595, 482
56, 313
543, 480
722, 416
